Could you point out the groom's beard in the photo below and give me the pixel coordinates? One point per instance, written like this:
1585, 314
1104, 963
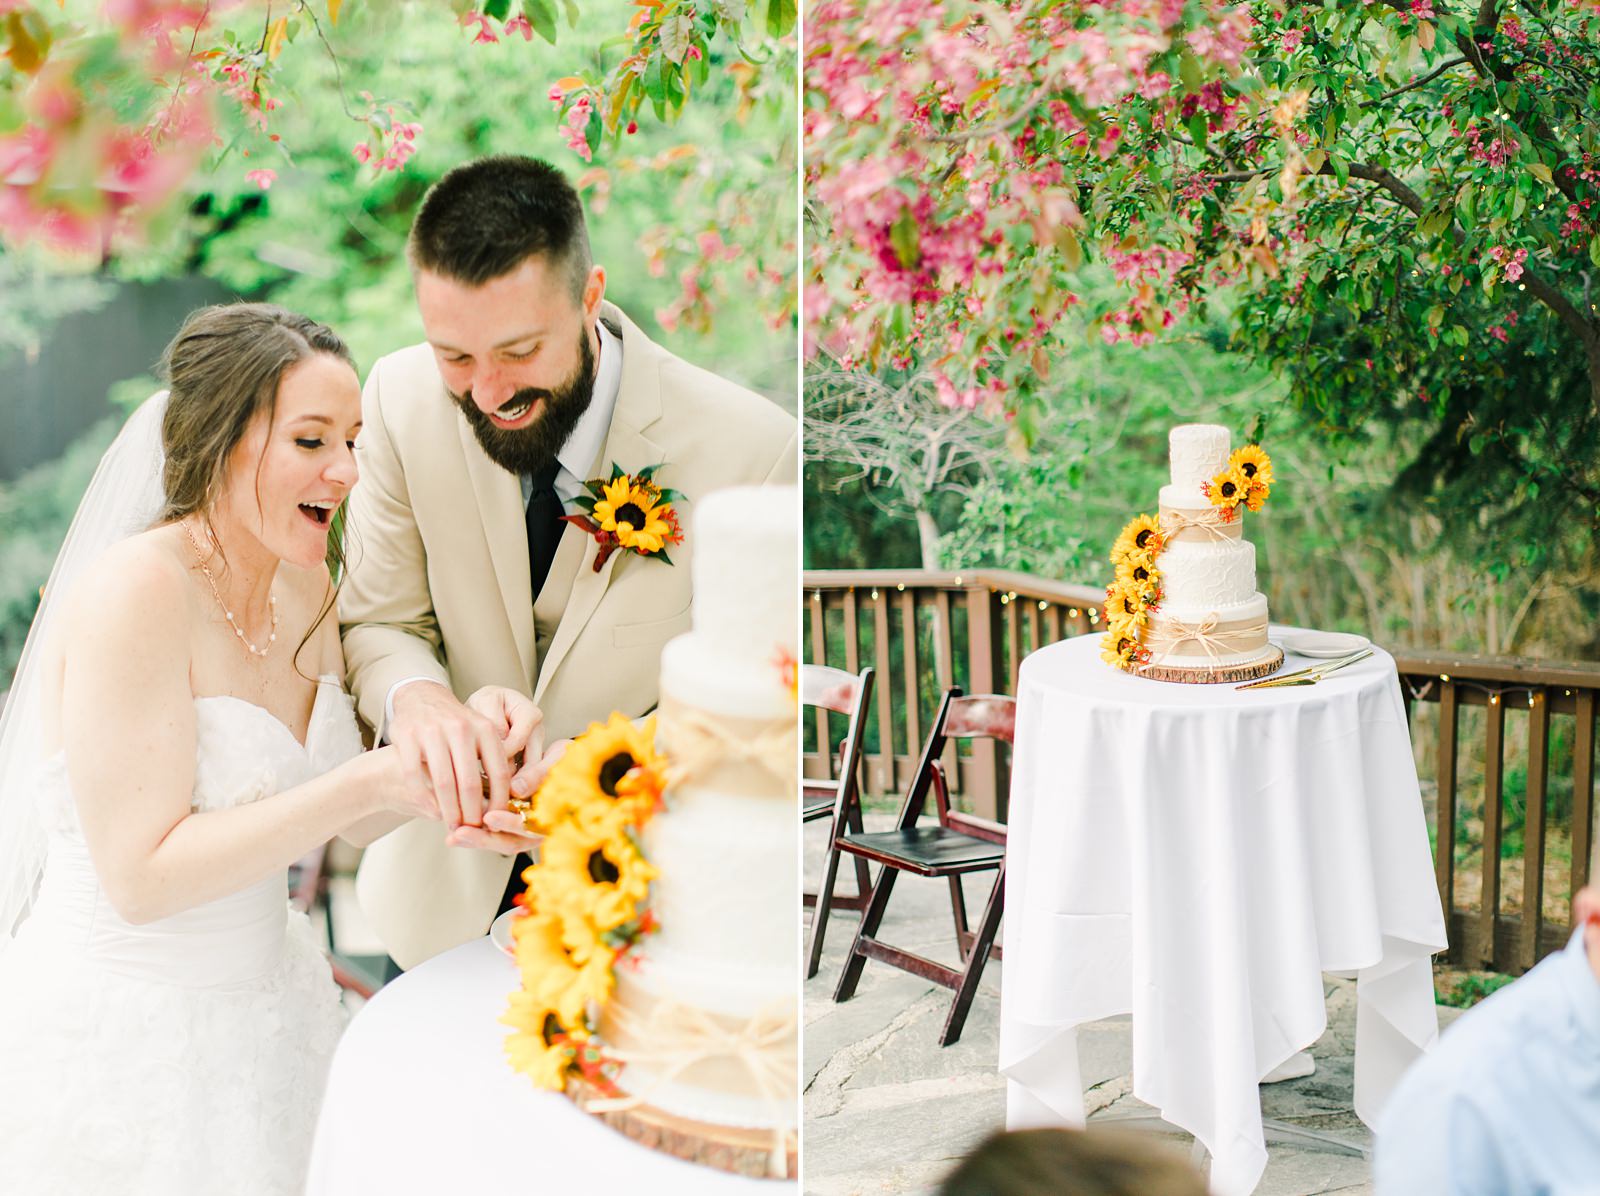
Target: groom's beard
530, 450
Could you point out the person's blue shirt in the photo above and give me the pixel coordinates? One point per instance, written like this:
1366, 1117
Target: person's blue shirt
1509, 1101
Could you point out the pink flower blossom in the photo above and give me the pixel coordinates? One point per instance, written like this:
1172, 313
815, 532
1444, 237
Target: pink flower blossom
262, 178
362, 152
519, 24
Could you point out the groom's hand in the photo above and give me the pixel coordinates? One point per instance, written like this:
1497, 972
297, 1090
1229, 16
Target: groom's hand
451, 749
520, 726
504, 830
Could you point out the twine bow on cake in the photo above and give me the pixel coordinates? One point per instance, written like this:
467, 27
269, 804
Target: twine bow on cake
674, 1038
1170, 636
1174, 523
699, 742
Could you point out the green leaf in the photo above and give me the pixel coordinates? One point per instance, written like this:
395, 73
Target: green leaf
677, 35
905, 240
498, 9
1341, 169
542, 16
1594, 249
1189, 72
662, 557
780, 17
731, 12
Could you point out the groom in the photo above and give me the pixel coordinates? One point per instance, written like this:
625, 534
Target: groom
461, 570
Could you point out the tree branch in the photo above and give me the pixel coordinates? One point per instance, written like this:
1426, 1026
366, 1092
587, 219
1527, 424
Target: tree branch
1565, 310
1422, 82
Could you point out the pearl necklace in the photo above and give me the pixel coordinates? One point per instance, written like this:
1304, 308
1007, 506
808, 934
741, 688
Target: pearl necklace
272, 600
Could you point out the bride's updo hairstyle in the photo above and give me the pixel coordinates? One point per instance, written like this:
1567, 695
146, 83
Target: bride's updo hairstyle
222, 368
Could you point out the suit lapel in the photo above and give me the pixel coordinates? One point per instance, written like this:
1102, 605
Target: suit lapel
499, 496
638, 406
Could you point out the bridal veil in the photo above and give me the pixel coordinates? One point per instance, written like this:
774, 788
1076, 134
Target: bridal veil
124, 498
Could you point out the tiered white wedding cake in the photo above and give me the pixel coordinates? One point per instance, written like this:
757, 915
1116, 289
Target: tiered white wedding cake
708, 1018
1186, 598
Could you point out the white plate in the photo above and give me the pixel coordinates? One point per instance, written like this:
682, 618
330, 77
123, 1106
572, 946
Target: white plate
1323, 644
500, 932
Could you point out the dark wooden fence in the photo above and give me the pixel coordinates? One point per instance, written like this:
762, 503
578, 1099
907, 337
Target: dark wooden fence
923, 631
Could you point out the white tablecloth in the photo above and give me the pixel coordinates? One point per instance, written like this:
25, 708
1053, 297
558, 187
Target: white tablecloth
1199, 855
422, 1101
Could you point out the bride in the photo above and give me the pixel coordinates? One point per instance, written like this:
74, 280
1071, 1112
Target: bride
177, 737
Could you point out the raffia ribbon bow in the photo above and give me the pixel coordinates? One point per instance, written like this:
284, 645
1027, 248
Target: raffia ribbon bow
699, 742
674, 1038
1171, 635
1175, 523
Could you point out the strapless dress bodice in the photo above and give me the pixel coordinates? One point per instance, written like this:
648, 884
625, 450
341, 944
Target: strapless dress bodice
243, 753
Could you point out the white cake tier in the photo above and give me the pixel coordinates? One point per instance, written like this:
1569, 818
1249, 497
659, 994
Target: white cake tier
741, 679
1247, 648
728, 871
1207, 573
1184, 498
746, 567
1198, 452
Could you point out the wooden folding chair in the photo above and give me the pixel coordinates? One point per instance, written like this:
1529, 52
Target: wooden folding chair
839, 799
958, 844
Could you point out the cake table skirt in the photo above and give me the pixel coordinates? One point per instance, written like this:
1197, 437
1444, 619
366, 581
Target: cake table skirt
1198, 856
421, 1100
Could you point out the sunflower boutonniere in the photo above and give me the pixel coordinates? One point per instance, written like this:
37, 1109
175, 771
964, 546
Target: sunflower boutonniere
629, 511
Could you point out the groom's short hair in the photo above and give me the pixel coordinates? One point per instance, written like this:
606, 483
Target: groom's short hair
485, 218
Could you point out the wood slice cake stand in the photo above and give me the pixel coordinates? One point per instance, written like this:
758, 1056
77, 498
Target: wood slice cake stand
744, 1152
1250, 671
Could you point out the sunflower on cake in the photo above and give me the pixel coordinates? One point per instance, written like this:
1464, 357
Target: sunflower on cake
1183, 605
657, 954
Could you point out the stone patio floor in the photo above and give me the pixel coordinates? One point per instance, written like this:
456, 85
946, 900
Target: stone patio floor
889, 1110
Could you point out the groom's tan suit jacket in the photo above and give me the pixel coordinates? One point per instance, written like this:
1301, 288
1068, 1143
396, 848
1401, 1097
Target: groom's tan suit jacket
438, 586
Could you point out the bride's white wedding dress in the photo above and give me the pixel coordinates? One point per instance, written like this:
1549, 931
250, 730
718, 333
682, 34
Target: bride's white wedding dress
184, 1057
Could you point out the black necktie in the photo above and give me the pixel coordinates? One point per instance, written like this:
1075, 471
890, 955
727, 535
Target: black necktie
544, 525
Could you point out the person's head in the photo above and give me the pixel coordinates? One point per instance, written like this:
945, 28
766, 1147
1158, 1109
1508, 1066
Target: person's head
509, 297
262, 408
1060, 1162
1586, 914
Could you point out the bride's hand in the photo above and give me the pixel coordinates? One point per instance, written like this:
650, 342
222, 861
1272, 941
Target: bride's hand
503, 830
397, 789
519, 724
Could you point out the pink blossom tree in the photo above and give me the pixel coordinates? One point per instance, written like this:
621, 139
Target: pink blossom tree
1392, 199
107, 108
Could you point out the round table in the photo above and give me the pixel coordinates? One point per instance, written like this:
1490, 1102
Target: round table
1197, 856
420, 1100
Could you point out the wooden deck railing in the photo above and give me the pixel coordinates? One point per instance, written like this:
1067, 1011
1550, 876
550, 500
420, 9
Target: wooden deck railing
923, 631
